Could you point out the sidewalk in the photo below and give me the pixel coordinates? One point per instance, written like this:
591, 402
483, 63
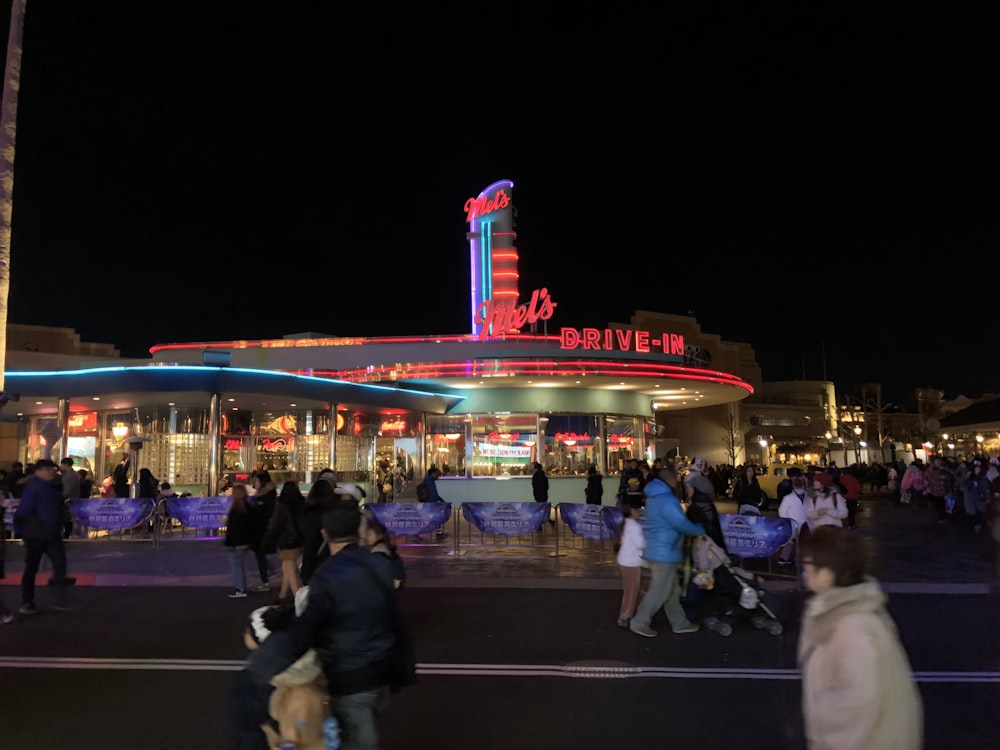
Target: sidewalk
912, 554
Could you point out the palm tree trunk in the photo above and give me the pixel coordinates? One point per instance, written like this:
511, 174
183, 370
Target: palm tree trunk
8, 135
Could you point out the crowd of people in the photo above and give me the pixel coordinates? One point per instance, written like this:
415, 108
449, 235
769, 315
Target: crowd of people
324, 542
338, 646
858, 686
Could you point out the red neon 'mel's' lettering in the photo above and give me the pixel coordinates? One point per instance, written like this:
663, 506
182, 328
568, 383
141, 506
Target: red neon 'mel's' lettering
497, 318
476, 207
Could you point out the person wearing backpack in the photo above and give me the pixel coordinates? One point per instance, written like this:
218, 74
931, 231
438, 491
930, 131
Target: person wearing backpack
430, 484
827, 507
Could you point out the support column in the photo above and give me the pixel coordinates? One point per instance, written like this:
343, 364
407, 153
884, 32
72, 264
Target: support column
63, 418
333, 437
214, 429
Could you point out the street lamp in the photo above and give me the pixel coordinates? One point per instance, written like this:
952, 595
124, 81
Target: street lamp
857, 444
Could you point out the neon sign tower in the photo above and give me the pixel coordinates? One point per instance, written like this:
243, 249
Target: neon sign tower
492, 254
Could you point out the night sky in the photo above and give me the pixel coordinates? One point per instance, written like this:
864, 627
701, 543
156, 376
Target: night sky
817, 182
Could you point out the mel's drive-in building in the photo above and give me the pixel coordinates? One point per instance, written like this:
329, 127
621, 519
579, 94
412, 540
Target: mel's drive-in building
521, 384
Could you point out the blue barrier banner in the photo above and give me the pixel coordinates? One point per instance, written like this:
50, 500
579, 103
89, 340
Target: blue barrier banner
111, 513
754, 536
509, 519
593, 522
199, 512
410, 519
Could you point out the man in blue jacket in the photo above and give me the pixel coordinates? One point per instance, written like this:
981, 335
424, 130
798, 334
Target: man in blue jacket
665, 526
39, 521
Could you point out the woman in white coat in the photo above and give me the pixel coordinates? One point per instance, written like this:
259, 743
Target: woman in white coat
793, 507
858, 691
826, 507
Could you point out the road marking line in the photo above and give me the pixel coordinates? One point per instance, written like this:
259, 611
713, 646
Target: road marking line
476, 670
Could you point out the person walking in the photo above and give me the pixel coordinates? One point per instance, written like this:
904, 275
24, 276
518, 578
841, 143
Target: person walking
376, 537
976, 495
71, 491
665, 529
793, 508
284, 533
594, 493
852, 495
39, 522
913, 484
351, 620
319, 499
6, 616
239, 538
939, 484
826, 506
265, 497
631, 546
747, 492
858, 690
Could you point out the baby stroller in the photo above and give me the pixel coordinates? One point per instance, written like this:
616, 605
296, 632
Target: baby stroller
735, 593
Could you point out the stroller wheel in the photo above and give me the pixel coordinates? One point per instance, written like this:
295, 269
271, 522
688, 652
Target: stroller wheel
775, 628
724, 629
759, 621
712, 623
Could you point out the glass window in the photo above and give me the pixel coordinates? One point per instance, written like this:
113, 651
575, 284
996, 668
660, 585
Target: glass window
504, 444
445, 443
572, 443
628, 437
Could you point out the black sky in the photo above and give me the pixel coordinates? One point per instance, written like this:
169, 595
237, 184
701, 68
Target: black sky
817, 182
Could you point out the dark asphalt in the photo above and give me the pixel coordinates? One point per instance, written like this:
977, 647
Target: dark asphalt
517, 648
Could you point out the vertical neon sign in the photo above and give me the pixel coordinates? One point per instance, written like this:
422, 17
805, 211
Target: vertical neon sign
492, 255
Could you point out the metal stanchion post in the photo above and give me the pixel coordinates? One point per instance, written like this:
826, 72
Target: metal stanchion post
556, 534
600, 520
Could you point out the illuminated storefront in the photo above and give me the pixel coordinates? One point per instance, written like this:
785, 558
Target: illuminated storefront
482, 405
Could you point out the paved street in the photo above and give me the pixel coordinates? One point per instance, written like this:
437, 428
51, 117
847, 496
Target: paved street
517, 648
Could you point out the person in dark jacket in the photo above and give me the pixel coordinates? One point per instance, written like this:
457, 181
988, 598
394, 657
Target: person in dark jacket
539, 484
265, 498
349, 620
285, 535
39, 521
120, 476
631, 483
595, 486
319, 499
239, 538
148, 487
702, 508
148, 484
747, 490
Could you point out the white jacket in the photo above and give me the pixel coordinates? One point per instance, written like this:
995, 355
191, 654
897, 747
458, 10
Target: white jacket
633, 545
793, 507
835, 506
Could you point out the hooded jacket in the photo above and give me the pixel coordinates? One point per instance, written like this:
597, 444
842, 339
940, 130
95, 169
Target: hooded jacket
665, 524
858, 691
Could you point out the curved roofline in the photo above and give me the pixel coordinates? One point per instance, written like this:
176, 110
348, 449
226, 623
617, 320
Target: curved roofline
99, 381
